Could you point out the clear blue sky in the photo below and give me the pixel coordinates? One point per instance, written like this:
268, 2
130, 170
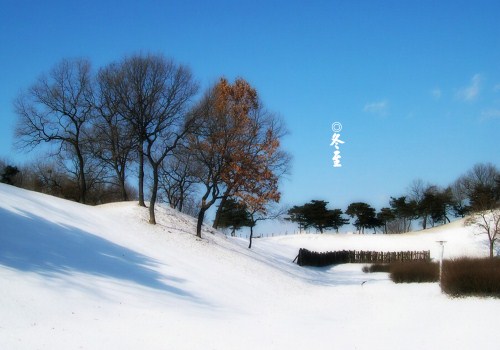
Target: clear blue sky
415, 84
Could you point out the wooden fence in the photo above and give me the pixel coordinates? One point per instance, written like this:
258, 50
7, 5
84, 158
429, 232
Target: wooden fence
309, 258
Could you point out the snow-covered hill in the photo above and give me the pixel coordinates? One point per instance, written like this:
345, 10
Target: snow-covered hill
79, 277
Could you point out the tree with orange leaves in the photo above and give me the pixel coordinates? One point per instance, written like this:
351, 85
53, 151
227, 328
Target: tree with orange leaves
264, 161
236, 146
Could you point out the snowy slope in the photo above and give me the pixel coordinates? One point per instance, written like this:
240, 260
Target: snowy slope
460, 241
79, 277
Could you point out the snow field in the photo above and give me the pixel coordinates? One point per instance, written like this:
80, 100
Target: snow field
78, 277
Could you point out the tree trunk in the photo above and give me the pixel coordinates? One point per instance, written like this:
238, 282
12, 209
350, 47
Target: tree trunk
119, 165
81, 174
123, 191
251, 236
141, 176
205, 206
121, 181
219, 210
492, 246
409, 226
201, 216
154, 191
180, 202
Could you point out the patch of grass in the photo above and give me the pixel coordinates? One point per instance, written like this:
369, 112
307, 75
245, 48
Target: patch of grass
414, 272
376, 268
471, 277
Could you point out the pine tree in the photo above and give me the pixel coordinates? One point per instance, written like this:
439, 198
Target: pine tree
234, 215
8, 175
364, 214
385, 215
315, 214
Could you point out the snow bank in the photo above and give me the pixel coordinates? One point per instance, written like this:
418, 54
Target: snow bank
79, 277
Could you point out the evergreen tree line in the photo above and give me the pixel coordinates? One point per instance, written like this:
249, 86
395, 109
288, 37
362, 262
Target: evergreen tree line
475, 191
142, 118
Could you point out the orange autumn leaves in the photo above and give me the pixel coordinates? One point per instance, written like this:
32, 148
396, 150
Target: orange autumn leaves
249, 142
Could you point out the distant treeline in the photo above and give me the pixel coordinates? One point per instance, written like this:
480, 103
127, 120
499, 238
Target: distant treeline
476, 190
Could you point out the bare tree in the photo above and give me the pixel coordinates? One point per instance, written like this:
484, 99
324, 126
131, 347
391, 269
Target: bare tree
50, 177
396, 225
478, 185
416, 193
129, 87
57, 109
113, 139
95, 174
268, 211
416, 190
488, 222
461, 203
152, 94
481, 174
178, 177
169, 123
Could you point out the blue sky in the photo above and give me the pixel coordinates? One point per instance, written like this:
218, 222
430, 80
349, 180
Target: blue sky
415, 84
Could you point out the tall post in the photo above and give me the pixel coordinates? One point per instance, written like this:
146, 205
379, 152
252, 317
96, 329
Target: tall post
441, 261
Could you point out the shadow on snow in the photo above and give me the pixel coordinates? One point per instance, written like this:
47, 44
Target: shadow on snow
33, 244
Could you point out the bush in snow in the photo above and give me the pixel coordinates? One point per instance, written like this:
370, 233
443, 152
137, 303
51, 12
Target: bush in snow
408, 271
414, 272
376, 268
471, 277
